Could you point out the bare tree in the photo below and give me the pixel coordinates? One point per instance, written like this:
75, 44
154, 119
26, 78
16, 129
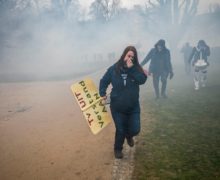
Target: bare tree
214, 8
67, 9
170, 18
104, 10
71, 9
14, 5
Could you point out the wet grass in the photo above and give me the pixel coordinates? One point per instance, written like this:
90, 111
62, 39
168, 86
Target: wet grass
180, 137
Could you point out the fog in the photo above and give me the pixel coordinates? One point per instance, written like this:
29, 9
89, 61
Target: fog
58, 40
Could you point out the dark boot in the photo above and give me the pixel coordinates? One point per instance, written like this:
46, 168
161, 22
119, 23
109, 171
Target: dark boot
118, 154
130, 141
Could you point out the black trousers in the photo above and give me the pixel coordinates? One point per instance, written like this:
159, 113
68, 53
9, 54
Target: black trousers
156, 79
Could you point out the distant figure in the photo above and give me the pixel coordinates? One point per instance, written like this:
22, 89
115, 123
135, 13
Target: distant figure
200, 63
160, 66
125, 76
187, 50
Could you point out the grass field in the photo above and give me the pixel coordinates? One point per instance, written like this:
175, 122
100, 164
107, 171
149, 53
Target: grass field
180, 136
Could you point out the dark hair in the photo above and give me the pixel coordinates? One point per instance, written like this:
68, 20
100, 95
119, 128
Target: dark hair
120, 62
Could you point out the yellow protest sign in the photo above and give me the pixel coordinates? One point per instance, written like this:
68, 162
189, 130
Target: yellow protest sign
90, 102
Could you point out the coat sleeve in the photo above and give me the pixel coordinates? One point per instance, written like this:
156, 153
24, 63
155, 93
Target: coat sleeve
105, 81
169, 62
147, 58
139, 76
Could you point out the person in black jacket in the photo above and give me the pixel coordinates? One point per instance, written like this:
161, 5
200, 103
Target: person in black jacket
125, 76
200, 63
160, 66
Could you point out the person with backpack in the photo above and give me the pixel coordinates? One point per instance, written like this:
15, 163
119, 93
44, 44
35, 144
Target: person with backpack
199, 58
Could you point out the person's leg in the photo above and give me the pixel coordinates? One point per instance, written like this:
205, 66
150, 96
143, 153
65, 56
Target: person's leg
204, 77
132, 127
156, 84
164, 84
119, 120
196, 78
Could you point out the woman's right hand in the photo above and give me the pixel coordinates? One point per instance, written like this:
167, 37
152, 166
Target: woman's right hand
129, 63
104, 99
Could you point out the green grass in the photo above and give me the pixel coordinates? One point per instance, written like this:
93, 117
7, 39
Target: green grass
180, 137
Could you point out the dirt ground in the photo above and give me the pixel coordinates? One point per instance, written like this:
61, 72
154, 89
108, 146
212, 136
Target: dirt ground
44, 136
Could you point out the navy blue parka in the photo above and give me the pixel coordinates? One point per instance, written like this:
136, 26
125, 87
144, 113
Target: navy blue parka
125, 88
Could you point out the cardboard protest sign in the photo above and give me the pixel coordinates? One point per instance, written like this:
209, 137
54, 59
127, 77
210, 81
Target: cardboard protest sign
90, 102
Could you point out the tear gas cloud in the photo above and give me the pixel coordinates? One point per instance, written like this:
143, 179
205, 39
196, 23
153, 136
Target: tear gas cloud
42, 43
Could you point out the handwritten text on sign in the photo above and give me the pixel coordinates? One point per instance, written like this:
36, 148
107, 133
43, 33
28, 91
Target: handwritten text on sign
90, 103
87, 94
